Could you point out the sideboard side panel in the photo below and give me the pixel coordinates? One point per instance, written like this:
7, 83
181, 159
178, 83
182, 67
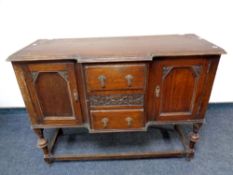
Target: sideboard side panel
213, 61
21, 79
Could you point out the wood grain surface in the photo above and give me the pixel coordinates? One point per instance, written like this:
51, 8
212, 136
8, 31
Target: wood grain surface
116, 49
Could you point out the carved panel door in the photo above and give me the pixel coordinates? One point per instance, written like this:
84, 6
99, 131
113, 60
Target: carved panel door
178, 87
54, 91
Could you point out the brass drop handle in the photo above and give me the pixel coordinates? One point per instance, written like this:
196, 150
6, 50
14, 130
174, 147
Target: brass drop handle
105, 122
129, 121
102, 80
157, 91
129, 79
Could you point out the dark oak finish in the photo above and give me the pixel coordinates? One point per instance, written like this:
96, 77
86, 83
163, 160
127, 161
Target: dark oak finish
180, 83
117, 119
53, 88
115, 77
117, 85
116, 49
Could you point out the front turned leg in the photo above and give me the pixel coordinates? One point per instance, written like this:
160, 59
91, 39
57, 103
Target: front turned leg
42, 143
194, 138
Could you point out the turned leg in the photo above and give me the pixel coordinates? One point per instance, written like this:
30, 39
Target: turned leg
194, 137
42, 143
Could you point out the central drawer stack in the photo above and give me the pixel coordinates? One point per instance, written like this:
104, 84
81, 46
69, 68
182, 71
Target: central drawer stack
116, 95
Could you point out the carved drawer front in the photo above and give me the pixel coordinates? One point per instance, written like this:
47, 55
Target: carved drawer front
115, 77
117, 119
117, 100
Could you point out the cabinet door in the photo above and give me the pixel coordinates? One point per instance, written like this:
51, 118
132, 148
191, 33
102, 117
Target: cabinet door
53, 89
178, 87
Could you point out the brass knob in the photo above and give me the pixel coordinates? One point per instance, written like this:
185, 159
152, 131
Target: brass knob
105, 122
129, 121
102, 80
129, 79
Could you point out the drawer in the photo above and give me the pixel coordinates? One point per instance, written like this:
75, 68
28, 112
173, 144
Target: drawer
117, 119
115, 77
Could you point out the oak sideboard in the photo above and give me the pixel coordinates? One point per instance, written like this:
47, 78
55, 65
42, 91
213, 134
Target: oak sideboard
117, 84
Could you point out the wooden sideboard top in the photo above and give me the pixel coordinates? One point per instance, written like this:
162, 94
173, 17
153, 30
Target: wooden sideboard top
110, 49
